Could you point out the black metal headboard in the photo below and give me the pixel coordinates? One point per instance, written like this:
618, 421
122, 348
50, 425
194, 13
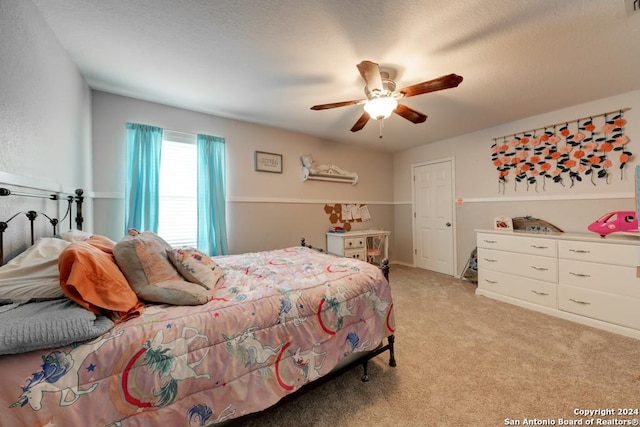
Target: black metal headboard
32, 215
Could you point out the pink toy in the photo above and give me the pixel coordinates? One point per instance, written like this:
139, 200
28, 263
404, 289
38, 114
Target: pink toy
615, 221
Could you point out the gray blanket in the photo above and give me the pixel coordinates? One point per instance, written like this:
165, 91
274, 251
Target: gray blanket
48, 324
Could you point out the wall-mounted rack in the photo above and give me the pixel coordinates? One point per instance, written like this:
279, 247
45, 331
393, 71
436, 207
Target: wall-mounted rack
335, 178
312, 170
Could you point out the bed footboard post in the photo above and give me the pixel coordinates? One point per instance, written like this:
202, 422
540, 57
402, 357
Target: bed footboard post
392, 355
365, 375
384, 266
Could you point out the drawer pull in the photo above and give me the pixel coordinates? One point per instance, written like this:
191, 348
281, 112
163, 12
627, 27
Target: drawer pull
493, 282
579, 302
544, 294
579, 251
490, 241
539, 247
490, 260
539, 268
579, 274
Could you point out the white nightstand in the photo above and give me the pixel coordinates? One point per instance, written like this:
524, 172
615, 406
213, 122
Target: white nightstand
353, 244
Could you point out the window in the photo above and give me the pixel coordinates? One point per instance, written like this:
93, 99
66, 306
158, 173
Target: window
178, 187
189, 171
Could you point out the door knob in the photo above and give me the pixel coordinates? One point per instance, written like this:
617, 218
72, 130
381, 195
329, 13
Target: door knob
448, 224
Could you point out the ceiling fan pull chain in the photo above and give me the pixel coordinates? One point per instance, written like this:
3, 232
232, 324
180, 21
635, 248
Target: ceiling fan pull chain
381, 124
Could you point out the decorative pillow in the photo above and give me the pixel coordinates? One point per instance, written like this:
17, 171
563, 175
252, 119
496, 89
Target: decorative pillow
34, 273
90, 277
196, 266
143, 259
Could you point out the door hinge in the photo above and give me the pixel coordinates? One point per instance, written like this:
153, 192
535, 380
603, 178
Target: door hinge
415, 251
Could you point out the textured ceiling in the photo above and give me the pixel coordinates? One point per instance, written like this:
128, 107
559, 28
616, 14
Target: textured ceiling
269, 61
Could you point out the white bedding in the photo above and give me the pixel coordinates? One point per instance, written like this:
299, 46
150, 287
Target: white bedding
34, 273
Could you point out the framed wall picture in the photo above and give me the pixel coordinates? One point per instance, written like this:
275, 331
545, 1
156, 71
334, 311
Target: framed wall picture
268, 162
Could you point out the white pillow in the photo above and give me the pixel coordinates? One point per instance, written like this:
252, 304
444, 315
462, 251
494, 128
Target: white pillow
75, 235
33, 273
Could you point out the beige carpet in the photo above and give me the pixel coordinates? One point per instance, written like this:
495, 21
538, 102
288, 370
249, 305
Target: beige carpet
465, 360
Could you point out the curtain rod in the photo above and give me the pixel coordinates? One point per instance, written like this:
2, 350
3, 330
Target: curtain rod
563, 123
180, 132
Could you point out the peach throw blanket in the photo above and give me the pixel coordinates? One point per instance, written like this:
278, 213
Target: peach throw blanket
90, 276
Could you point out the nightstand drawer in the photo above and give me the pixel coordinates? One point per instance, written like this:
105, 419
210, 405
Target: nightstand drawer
354, 242
355, 253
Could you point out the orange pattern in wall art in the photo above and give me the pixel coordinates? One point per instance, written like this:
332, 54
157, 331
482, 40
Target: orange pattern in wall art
568, 153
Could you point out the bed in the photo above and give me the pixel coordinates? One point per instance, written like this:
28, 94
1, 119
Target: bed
274, 323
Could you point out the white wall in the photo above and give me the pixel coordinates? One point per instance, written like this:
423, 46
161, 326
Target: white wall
571, 209
46, 137
45, 110
265, 210
45, 128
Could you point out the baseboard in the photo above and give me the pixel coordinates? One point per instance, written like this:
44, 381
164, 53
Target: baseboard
401, 263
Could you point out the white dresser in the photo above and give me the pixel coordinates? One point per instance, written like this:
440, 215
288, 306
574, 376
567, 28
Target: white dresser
353, 244
579, 277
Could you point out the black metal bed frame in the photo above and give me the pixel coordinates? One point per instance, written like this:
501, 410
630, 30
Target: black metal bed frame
78, 199
363, 361
384, 266
32, 215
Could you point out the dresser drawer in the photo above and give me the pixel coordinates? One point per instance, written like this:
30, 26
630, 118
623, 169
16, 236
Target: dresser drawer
515, 243
530, 290
617, 309
355, 253
354, 242
605, 253
600, 277
531, 266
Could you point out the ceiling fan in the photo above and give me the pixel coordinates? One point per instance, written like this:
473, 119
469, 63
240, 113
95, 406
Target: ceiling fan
382, 96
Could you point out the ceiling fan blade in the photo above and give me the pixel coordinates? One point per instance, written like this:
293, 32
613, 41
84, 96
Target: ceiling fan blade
370, 72
410, 114
337, 104
444, 82
364, 118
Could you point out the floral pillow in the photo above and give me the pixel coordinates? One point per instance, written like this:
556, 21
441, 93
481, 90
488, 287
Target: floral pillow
143, 259
196, 266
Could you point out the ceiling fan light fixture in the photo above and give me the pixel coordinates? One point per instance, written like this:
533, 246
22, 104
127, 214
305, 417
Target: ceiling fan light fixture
381, 96
380, 108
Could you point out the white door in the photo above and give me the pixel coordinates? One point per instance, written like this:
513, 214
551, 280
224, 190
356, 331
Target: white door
433, 217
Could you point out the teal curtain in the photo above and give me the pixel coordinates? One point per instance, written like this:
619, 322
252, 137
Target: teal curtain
144, 145
212, 227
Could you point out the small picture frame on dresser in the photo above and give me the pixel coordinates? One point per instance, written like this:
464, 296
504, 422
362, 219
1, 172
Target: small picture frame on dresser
502, 223
268, 162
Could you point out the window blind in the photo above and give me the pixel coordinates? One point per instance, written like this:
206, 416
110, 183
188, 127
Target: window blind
177, 221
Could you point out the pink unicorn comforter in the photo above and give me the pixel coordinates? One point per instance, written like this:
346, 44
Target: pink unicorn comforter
279, 320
